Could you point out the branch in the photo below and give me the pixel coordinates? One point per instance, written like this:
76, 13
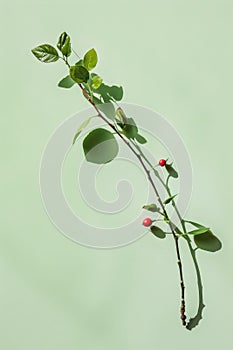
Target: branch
140, 158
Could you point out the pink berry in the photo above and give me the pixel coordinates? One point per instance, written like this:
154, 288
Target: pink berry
147, 222
162, 162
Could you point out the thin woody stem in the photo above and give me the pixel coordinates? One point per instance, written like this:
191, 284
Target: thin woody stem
182, 308
176, 238
193, 322
140, 157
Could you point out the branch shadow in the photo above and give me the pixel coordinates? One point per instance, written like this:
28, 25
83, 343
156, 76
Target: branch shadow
194, 321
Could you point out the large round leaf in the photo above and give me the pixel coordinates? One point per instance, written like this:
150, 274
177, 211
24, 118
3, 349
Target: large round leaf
207, 241
100, 146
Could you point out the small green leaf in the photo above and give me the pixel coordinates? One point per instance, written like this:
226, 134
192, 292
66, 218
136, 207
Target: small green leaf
79, 63
100, 146
151, 207
79, 74
66, 82
103, 90
80, 129
158, 232
169, 199
171, 171
96, 82
207, 241
86, 87
64, 44
90, 59
140, 139
116, 92
45, 53
120, 117
97, 101
130, 129
199, 231
110, 92
194, 224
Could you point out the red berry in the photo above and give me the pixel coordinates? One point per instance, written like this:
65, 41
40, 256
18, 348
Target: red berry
162, 162
147, 222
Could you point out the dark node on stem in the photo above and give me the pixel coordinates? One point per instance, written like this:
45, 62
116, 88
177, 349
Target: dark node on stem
182, 313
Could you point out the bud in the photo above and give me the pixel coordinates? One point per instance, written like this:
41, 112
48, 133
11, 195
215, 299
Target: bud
120, 117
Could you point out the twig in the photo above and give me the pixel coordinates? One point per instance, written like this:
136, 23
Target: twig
176, 238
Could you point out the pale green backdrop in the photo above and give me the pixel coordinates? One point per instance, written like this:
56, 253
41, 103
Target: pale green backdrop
174, 57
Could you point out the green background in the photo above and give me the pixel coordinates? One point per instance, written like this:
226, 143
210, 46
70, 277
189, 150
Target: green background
174, 57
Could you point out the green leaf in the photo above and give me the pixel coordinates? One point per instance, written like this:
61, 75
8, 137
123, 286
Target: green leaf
96, 82
199, 231
130, 129
97, 101
116, 92
90, 59
194, 224
64, 44
66, 82
79, 74
169, 199
151, 207
45, 53
103, 92
140, 139
120, 117
80, 129
171, 171
158, 232
207, 241
86, 87
108, 109
79, 63
110, 92
100, 146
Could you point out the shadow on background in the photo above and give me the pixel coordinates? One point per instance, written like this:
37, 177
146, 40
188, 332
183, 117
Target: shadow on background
194, 321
